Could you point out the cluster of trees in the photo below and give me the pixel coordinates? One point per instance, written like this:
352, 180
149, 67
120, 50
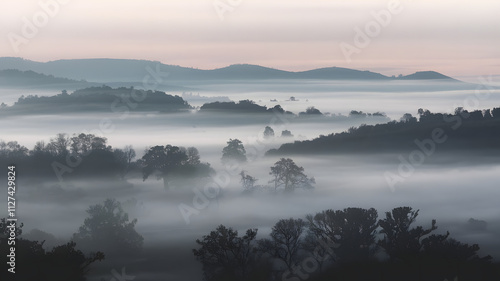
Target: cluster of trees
173, 163
361, 114
269, 133
70, 157
248, 106
285, 173
243, 106
109, 229
310, 111
87, 156
477, 115
348, 244
462, 130
103, 99
106, 232
234, 152
82, 155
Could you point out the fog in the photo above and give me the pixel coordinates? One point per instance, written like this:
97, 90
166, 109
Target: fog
451, 188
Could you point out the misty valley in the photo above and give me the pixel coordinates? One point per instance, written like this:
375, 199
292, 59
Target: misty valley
295, 177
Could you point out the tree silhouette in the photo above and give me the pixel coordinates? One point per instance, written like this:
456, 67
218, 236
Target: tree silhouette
193, 156
172, 161
59, 145
163, 159
407, 117
285, 242
268, 132
33, 262
226, 256
311, 111
441, 246
343, 240
83, 144
234, 151
400, 241
286, 173
248, 182
12, 150
70, 263
352, 229
108, 228
124, 159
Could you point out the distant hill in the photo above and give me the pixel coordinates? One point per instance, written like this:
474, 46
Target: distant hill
338, 73
426, 75
114, 70
30, 79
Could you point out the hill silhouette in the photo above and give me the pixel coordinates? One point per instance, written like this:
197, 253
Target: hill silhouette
426, 75
30, 79
113, 70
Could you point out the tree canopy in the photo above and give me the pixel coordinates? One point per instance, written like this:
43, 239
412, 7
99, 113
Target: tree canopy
287, 174
108, 228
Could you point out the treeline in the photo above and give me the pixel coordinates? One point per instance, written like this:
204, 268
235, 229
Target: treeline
87, 156
249, 106
348, 244
102, 99
243, 106
125, 100
462, 130
67, 157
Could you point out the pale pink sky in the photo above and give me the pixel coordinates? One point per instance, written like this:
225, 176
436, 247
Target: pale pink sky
455, 37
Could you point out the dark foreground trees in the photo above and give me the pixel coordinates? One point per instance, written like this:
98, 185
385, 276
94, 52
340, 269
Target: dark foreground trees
226, 256
33, 262
285, 244
400, 241
343, 245
352, 229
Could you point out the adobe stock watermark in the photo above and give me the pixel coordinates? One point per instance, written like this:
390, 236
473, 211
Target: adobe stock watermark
427, 147
121, 105
363, 36
31, 26
203, 197
223, 6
